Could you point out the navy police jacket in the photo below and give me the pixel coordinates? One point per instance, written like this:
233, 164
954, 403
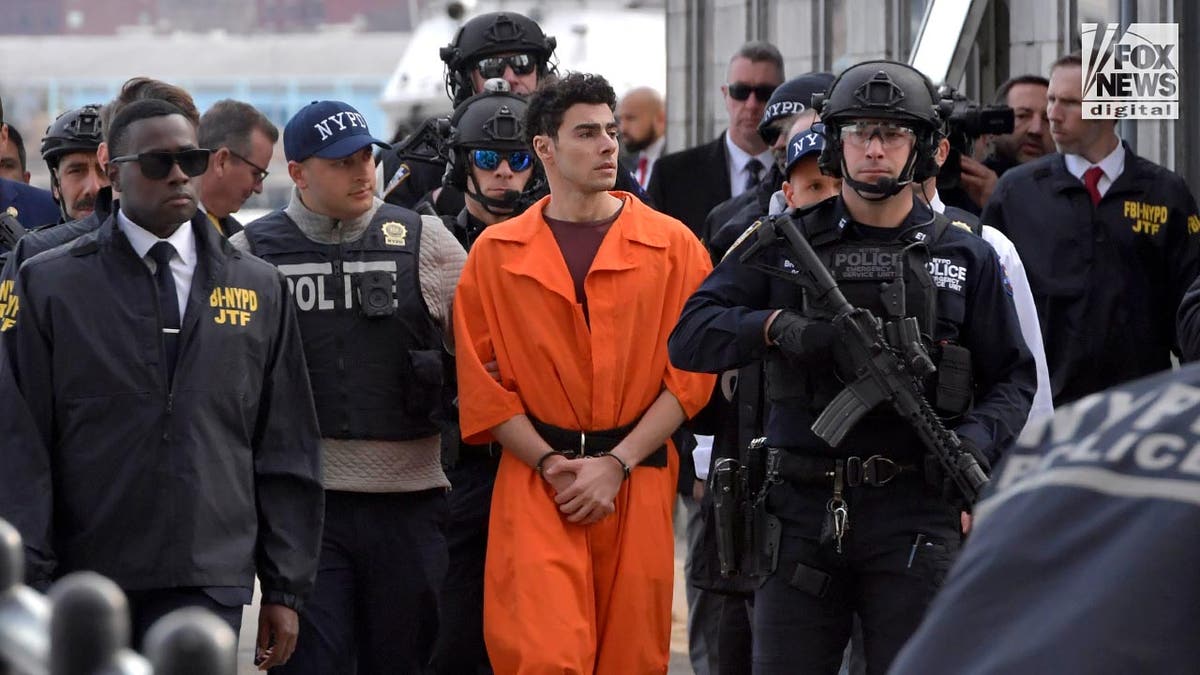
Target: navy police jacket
204, 482
1084, 553
722, 328
32, 207
1107, 279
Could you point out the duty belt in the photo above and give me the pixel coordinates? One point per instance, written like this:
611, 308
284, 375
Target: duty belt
579, 443
873, 471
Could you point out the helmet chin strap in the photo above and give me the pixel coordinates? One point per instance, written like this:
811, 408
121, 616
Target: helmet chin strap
885, 187
56, 188
508, 203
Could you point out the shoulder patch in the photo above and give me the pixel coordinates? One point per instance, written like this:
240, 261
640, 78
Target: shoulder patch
402, 174
959, 223
9, 305
742, 237
394, 233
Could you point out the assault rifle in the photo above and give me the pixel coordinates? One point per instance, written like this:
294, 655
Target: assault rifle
890, 363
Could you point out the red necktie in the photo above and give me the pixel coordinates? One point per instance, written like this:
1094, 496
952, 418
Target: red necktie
1091, 180
641, 169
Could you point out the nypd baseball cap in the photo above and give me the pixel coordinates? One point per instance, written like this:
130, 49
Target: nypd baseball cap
326, 129
807, 142
791, 98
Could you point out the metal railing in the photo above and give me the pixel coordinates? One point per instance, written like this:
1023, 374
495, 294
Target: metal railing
81, 627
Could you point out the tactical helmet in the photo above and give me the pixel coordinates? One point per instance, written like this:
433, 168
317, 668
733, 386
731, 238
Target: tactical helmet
491, 120
488, 34
886, 90
76, 130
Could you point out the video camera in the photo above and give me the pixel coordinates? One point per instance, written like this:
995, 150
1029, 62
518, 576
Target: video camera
967, 122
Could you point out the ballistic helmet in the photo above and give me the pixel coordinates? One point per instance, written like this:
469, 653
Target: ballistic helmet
493, 119
77, 130
883, 90
487, 35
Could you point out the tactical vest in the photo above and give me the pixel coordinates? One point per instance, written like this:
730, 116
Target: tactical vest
374, 353
890, 278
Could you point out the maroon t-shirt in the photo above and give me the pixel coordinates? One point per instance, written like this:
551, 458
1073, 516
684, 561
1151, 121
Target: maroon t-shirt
579, 243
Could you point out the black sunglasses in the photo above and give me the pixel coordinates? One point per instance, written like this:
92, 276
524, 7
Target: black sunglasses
260, 174
156, 165
741, 92
493, 66
488, 160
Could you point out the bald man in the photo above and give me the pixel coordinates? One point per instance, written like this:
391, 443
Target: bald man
642, 117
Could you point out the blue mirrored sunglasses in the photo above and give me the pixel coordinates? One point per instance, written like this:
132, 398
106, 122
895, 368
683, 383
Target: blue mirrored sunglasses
488, 160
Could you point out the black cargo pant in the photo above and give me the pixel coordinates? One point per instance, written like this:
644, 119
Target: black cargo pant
902, 539
460, 649
374, 608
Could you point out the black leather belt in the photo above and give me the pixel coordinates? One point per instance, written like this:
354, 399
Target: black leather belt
873, 471
578, 443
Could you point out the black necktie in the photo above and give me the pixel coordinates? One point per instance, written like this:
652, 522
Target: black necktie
753, 169
168, 302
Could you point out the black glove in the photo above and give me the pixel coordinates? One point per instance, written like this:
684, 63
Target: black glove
801, 338
984, 462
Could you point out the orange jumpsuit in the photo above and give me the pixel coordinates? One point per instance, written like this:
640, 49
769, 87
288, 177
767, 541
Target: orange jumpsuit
560, 597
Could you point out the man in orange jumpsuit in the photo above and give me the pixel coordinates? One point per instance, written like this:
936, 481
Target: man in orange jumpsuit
574, 300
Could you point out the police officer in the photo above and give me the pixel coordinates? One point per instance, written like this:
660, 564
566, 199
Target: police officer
790, 102
29, 205
490, 160
1111, 242
1084, 557
491, 163
159, 424
507, 45
373, 283
865, 527
69, 149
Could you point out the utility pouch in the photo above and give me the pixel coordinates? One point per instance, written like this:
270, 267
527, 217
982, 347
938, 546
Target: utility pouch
765, 536
810, 580
954, 381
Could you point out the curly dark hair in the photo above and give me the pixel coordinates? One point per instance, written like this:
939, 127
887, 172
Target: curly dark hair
550, 102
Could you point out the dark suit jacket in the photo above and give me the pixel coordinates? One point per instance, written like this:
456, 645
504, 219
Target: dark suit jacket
35, 207
687, 184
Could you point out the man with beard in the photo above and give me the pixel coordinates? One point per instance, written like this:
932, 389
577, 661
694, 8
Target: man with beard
1030, 137
643, 120
1029, 140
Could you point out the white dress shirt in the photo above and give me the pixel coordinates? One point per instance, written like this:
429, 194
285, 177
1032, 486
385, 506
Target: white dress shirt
1022, 295
183, 264
738, 158
1112, 166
